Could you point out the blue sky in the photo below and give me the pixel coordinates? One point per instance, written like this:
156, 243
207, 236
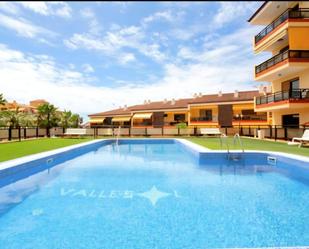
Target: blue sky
94, 56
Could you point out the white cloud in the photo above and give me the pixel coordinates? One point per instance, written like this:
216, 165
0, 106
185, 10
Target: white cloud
9, 7
161, 15
23, 27
88, 68
61, 9
112, 43
229, 11
93, 23
126, 58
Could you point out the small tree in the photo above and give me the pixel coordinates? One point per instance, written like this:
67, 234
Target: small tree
47, 117
2, 99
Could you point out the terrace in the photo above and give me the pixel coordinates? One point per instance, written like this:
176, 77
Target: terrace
276, 66
279, 21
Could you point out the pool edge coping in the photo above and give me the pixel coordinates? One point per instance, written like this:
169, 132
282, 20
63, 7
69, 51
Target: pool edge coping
193, 146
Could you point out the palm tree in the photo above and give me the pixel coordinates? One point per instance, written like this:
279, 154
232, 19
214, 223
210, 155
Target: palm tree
2, 99
12, 119
65, 118
47, 117
75, 120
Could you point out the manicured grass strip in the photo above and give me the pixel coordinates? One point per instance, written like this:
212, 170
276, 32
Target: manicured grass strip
14, 150
251, 144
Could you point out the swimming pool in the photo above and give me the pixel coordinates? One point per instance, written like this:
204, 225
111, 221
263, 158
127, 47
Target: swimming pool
154, 194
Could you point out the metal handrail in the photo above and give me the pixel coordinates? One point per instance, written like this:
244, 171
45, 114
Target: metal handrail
299, 54
237, 138
301, 93
288, 14
223, 140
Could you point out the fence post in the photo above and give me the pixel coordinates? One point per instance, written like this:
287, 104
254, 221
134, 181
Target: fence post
130, 131
275, 132
195, 131
10, 133
225, 130
249, 129
145, 131
285, 133
94, 132
37, 132
178, 131
19, 134
270, 132
162, 130
241, 131
25, 133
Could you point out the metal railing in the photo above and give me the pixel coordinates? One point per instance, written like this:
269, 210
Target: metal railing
196, 119
288, 14
295, 94
250, 118
299, 54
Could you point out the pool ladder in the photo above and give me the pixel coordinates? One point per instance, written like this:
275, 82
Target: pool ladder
224, 141
118, 135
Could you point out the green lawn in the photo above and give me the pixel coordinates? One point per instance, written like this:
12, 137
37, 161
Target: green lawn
13, 150
251, 144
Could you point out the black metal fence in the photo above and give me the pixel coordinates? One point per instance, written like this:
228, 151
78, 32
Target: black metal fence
288, 54
295, 94
264, 131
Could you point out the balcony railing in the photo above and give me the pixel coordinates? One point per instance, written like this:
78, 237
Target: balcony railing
299, 54
199, 119
250, 118
288, 14
295, 94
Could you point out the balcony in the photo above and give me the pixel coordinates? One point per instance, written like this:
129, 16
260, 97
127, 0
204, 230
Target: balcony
283, 97
288, 14
279, 60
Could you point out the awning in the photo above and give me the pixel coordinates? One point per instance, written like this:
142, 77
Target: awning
96, 120
142, 115
121, 119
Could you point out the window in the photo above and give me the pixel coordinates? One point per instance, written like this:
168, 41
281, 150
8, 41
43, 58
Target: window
206, 114
180, 117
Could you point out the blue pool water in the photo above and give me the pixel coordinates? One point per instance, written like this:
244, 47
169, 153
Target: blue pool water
155, 195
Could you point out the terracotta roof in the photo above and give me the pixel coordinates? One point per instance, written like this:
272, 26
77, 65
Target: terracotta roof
181, 103
119, 111
226, 97
158, 105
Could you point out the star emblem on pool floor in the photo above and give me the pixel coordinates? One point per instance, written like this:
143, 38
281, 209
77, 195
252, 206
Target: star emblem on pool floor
154, 195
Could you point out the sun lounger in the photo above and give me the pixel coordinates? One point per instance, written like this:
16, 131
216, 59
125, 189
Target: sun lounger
210, 131
300, 140
75, 132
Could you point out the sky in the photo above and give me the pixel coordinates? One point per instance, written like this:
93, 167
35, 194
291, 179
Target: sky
90, 57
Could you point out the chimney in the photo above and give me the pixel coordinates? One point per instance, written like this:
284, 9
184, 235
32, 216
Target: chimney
195, 95
145, 102
220, 94
236, 94
173, 102
149, 101
200, 94
165, 101
125, 107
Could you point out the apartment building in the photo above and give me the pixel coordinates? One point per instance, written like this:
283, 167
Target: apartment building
221, 110
286, 37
